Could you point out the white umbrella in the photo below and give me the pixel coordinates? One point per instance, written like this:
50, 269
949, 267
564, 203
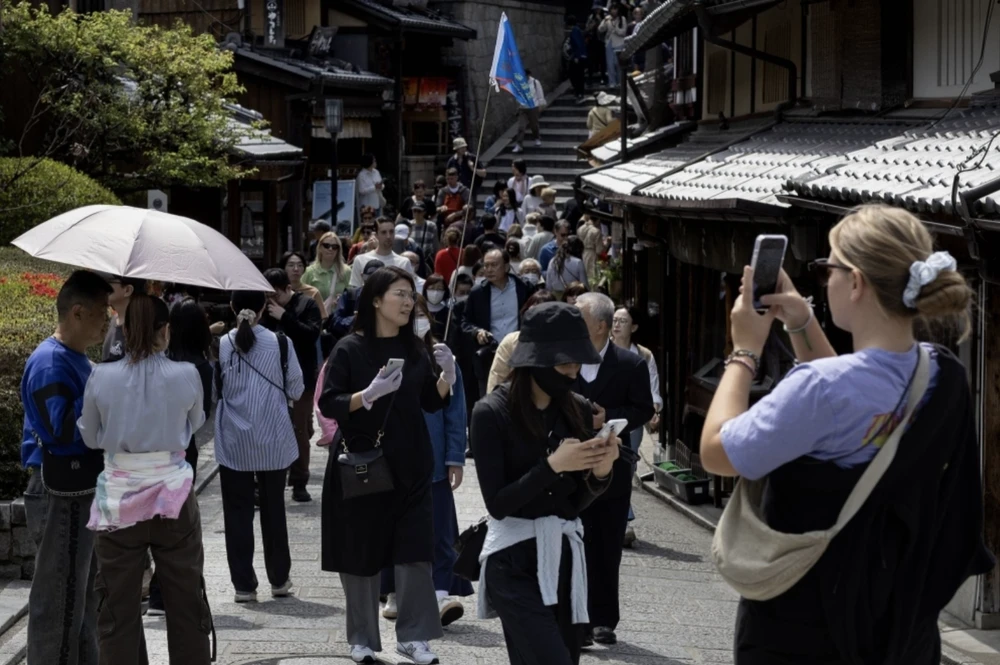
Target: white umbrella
136, 242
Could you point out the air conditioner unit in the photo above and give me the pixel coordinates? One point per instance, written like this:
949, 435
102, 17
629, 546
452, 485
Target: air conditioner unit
156, 200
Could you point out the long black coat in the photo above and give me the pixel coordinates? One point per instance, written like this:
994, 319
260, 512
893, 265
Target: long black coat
361, 536
622, 388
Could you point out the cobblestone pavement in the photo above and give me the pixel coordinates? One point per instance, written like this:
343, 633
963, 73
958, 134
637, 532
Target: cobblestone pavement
675, 608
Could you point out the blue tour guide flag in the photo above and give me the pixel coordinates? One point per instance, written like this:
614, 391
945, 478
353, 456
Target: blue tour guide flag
507, 71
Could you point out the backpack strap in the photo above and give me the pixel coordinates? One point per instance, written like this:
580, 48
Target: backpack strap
283, 350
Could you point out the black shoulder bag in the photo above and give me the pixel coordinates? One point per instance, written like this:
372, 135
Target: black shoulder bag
365, 472
70, 475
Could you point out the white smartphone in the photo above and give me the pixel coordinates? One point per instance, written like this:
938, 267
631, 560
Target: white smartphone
768, 255
616, 426
392, 366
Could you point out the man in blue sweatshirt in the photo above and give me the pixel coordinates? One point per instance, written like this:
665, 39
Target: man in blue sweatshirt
62, 610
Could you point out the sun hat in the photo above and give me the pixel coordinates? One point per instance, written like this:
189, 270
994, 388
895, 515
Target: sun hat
553, 333
536, 181
402, 231
459, 143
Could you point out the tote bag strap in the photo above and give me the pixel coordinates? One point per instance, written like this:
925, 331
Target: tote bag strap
878, 466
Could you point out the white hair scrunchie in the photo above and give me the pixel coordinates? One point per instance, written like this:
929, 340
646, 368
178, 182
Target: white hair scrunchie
923, 273
247, 315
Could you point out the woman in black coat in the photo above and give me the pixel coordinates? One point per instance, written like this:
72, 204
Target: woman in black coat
364, 534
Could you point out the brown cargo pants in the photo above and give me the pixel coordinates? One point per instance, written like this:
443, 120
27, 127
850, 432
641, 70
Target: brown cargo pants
177, 551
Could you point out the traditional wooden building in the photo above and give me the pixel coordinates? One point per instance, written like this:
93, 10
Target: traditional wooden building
809, 109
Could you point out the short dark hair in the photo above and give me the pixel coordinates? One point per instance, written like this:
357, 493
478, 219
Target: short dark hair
417, 184
520, 165
548, 224
278, 278
488, 221
451, 171
513, 248
499, 186
190, 336
503, 254
384, 220
367, 160
464, 279
287, 256
84, 288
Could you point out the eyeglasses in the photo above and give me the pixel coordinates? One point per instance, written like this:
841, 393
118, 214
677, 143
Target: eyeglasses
823, 268
327, 245
400, 293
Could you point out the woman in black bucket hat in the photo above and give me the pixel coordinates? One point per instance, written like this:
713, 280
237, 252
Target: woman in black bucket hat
539, 466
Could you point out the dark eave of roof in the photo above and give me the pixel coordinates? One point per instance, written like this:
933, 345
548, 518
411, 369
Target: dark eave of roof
301, 74
413, 20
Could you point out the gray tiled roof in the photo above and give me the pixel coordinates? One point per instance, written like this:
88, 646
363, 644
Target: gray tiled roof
257, 143
310, 70
913, 168
413, 18
658, 19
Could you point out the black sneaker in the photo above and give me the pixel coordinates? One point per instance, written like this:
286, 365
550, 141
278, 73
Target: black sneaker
155, 608
301, 494
604, 635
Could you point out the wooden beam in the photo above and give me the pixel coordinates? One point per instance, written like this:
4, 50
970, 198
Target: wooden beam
990, 311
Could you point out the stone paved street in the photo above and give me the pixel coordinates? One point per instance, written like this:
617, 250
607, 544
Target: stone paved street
675, 608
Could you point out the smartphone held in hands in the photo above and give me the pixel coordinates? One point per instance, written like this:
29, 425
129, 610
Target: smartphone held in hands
392, 366
768, 255
616, 427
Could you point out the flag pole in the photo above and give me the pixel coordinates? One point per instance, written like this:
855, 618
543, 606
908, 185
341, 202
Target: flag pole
472, 202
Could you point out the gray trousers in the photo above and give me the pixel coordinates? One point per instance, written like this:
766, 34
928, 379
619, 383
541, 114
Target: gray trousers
62, 609
418, 620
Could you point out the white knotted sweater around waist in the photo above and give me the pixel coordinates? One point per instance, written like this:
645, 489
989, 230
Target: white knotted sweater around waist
548, 533
135, 487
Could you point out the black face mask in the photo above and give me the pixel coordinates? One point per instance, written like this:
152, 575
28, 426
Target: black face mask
551, 382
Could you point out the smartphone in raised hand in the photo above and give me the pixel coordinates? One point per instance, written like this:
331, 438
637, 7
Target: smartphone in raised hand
616, 427
768, 255
392, 366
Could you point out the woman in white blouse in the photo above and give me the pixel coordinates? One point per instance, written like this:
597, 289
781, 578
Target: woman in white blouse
370, 185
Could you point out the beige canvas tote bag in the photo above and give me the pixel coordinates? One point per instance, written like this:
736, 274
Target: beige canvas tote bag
761, 563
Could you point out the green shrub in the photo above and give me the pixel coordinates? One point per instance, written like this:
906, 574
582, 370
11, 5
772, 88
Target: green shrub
27, 316
45, 190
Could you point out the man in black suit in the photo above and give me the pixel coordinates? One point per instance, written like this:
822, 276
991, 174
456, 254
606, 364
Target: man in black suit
492, 311
298, 317
619, 388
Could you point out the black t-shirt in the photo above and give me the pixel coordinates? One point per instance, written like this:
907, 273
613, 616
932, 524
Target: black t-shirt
114, 343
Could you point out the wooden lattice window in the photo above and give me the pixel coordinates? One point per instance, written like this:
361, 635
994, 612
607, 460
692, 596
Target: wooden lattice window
777, 41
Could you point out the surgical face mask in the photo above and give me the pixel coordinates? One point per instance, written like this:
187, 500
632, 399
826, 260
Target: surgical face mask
435, 296
461, 298
421, 326
531, 278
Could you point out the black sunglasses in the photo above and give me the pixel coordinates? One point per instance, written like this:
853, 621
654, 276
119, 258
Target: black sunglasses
823, 267
327, 245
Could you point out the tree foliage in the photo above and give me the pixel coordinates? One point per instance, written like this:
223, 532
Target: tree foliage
132, 106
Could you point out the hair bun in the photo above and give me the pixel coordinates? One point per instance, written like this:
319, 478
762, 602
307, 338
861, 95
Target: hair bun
947, 296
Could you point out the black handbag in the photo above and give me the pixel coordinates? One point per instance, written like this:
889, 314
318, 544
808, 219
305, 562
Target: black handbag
70, 475
469, 546
366, 472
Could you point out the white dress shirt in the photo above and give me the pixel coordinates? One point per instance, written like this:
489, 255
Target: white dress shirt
589, 372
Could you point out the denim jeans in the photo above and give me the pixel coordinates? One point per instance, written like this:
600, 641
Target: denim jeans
62, 609
611, 55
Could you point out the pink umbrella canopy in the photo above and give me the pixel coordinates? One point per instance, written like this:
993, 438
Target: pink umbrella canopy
136, 242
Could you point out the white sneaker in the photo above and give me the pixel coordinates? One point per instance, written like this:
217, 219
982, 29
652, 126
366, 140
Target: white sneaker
245, 597
451, 610
389, 610
538, 143
418, 652
517, 148
360, 654
283, 590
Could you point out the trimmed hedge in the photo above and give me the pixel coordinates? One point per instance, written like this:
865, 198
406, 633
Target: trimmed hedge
28, 289
47, 189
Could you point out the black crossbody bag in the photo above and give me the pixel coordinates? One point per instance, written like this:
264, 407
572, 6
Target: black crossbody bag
365, 472
70, 475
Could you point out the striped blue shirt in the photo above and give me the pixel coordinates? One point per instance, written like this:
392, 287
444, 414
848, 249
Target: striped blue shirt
253, 431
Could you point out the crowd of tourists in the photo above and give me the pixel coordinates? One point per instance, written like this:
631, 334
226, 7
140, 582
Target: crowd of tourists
435, 333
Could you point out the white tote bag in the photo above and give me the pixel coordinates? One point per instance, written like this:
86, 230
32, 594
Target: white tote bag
761, 563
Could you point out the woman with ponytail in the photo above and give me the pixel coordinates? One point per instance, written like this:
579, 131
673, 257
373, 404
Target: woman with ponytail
142, 413
256, 378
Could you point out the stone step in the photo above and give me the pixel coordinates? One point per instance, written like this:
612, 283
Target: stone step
537, 156
568, 133
561, 146
566, 112
560, 122
494, 173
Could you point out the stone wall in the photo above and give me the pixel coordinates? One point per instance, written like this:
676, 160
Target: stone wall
539, 30
17, 550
